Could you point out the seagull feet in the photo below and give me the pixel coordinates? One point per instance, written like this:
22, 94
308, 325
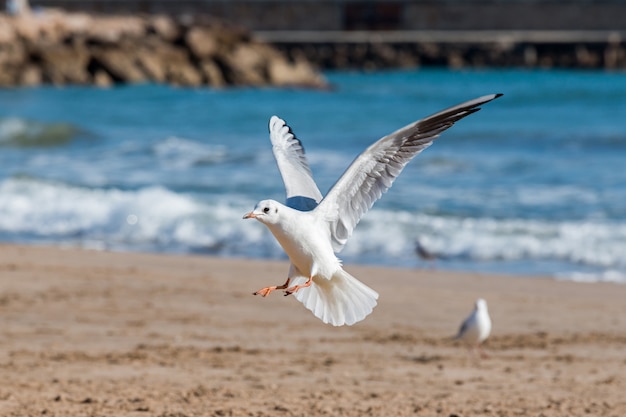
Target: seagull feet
264, 292
295, 288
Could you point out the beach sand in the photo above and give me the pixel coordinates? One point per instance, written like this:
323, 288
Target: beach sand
89, 333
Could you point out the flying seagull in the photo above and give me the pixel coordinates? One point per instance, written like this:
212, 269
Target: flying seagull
311, 228
476, 327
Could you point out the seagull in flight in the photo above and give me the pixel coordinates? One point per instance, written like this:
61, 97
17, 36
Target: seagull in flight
311, 228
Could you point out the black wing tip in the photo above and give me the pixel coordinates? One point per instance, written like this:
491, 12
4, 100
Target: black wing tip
489, 98
480, 101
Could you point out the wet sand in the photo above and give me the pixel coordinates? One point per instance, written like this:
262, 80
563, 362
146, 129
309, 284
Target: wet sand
86, 333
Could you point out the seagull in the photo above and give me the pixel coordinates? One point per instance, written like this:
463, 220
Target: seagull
425, 254
476, 327
311, 229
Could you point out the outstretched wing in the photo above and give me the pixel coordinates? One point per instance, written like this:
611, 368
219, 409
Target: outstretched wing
302, 192
374, 170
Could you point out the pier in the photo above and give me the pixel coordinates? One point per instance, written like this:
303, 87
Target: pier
410, 33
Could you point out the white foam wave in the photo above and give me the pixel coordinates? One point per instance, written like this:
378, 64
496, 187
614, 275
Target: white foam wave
12, 127
156, 218
151, 218
595, 244
179, 152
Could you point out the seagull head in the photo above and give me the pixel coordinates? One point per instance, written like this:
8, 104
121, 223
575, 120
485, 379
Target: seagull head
266, 211
481, 304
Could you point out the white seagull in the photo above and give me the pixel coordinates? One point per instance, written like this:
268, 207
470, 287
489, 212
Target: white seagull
476, 327
311, 229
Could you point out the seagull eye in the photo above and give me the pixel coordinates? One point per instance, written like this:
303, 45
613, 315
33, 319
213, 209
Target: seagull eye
266, 210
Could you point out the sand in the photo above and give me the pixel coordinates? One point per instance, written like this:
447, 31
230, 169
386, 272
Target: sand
88, 333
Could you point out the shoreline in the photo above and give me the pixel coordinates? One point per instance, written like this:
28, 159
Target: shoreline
94, 332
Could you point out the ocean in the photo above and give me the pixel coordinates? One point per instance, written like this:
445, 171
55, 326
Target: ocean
533, 184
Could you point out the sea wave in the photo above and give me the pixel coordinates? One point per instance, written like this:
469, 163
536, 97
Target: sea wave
155, 218
183, 153
19, 132
590, 242
150, 218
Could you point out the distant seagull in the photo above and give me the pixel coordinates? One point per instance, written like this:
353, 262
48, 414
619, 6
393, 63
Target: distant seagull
425, 254
476, 327
311, 229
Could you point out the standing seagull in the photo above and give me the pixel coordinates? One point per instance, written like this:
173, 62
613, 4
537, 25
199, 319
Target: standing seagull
311, 229
476, 327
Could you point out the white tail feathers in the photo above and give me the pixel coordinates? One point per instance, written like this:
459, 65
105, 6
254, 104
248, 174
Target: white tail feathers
341, 300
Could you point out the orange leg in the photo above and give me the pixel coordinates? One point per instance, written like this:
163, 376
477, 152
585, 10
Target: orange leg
295, 288
267, 290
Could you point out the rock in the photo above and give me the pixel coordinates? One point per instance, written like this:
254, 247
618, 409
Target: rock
7, 78
247, 64
164, 27
76, 48
119, 64
184, 75
75, 23
102, 79
7, 31
64, 65
152, 65
212, 73
30, 76
202, 42
12, 54
297, 74
112, 29
179, 69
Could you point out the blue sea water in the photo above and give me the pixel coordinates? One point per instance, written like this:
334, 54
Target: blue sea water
534, 183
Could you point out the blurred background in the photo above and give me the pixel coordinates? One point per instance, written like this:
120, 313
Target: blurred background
142, 126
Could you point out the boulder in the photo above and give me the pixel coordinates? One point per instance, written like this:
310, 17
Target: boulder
179, 69
7, 77
202, 42
119, 64
55, 47
13, 54
212, 73
247, 64
61, 64
102, 79
112, 29
30, 76
300, 73
152, 65
164, 27
7, 31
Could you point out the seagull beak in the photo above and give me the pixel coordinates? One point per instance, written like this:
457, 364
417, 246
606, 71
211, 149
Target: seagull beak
250, 215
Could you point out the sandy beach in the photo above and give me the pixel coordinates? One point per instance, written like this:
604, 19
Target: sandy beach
87, 333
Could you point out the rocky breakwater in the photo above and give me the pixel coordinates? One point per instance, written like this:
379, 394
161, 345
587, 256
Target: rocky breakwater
53, 47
